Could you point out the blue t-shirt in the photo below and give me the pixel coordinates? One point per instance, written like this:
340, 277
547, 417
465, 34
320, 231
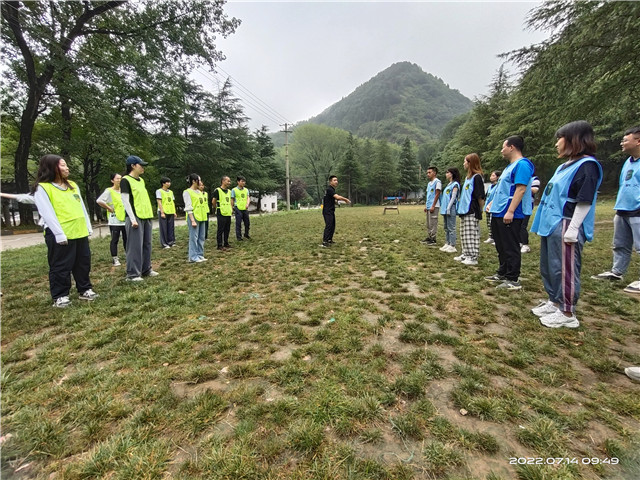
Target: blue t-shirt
520, 174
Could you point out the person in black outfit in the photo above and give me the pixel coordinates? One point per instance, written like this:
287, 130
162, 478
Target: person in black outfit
329, 210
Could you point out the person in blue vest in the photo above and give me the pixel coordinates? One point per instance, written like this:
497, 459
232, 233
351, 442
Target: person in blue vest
138, 220
510, 204
626, 222
449, 202
470, 210
240, 202
493, 181
564, 220
66, 230
432, 205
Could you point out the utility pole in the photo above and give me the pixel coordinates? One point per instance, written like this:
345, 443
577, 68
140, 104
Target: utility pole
286, 162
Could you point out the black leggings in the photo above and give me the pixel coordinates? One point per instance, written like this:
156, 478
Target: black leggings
115, 237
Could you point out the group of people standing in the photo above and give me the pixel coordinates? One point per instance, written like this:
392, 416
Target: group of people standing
564, 219
67, 225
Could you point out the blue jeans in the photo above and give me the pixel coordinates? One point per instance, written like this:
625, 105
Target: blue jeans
560, 266
450, 229
196, 240
626, 238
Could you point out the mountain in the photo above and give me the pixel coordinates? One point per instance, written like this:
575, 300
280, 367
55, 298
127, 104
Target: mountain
400, 101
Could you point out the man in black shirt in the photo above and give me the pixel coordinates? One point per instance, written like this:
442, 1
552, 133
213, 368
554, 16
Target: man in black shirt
329, 210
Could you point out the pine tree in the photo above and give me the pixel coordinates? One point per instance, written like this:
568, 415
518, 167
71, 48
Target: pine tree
408, 168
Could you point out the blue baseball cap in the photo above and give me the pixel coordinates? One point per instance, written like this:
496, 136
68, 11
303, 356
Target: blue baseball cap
132, 160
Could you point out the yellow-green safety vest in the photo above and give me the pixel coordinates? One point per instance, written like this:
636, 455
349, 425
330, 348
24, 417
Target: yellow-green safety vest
118, 207
168, 205
68, 207
223, 204
241, 198
140, 198
199, 204
206, 200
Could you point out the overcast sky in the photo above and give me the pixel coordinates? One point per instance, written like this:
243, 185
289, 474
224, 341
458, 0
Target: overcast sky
294, 59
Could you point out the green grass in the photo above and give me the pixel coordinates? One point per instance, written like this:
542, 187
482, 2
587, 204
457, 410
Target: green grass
379, 358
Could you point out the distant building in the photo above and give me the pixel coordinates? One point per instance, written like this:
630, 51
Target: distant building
268, 203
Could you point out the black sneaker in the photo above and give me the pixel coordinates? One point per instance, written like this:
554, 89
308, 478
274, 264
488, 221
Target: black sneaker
239, 239
247, 237
325, 245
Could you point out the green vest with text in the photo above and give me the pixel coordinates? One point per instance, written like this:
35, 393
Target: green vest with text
140, 198
241, 196
224, 202
118, 207
68, 207
206, 200
199, 204
168, 205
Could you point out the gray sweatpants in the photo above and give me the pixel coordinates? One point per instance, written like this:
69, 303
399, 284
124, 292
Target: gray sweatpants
138, 248
432, 223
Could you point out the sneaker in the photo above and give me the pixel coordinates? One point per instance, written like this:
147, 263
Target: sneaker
88, 295
633, 287
249, 238
166, 246
325, 245
525, 249
451, 249
490, 240
607, 276
135, 279
61, 302
444, 248
152, 273
495, 278
469, 261
633, 373
239, 239
116, 262
558, 319
197, 260
510, 285
459, 258
544, 308
227, 246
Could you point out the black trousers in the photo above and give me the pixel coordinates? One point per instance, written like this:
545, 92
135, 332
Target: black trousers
524, 230
329, 226
242, 216
65, 260
224, 227
115, 238
507, 238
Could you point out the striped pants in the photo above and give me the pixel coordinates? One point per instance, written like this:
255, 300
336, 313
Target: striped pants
560, 265
470, 236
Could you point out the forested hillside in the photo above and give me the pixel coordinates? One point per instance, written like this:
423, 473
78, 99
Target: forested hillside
401, 101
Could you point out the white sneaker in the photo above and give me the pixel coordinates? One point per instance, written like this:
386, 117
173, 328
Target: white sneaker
459, 258
451, 249
544, 308
469, 261
152, 273
88, 295
607, 276
633, 287
558, 319
116, 262
135, 279
633, 373
444, 247
525, 249
61, 302
489, 240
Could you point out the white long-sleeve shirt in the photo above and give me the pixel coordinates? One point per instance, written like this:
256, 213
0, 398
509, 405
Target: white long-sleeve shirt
49, 217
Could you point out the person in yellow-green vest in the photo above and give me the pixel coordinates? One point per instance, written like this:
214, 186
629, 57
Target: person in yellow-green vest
206, 199
221, 202
240, 204
111, 201
139, 215
66, 230
195, 207
166, 213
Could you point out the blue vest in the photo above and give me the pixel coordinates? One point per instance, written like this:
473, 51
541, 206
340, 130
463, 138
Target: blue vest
491, 191
431, 192
556, 195
464, 204
505, 189
446, 197
628, 198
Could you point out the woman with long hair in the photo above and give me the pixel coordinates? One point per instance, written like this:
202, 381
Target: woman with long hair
564, 221
470, 210
448, 204
66, 230
195, 207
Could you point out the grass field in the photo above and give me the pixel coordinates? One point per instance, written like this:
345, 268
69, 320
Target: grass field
380, 358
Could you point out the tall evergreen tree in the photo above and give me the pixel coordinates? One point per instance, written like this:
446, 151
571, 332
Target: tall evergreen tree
384, 171
408, 168
349, 170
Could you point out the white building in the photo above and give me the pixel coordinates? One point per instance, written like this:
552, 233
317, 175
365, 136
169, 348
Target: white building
268, 203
